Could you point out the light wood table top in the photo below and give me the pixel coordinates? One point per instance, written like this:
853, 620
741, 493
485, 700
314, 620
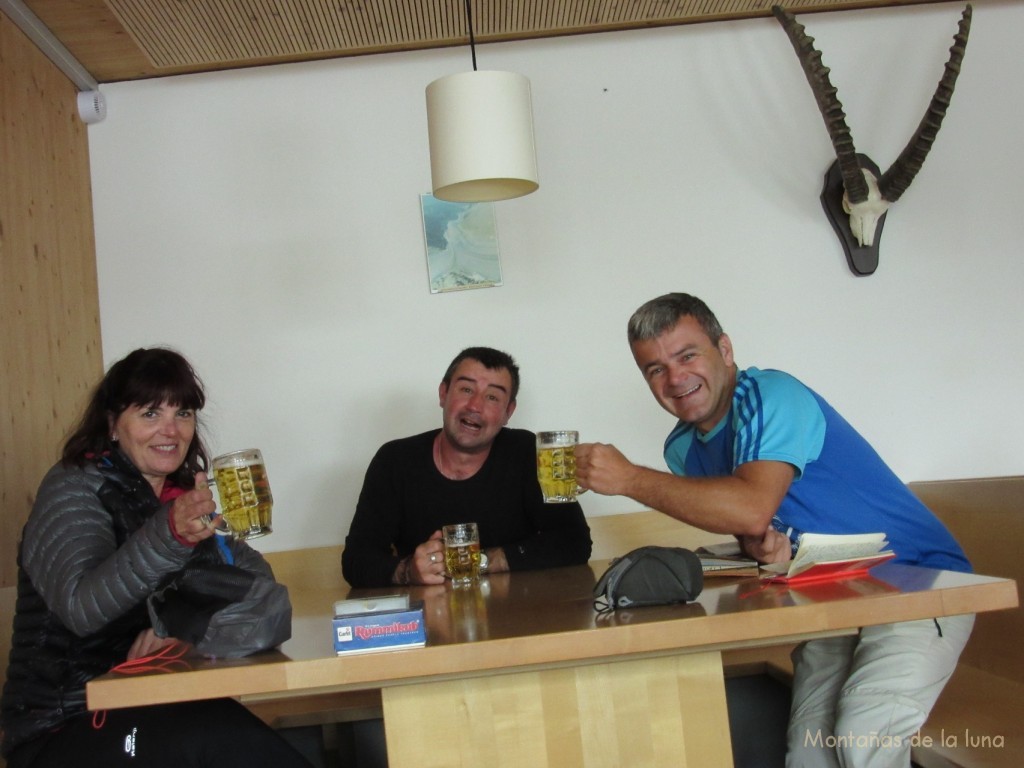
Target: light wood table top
545, 619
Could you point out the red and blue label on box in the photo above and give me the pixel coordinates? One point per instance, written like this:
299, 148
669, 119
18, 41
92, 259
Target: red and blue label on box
380, 631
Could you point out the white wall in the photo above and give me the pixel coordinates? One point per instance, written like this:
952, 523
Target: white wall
266, 223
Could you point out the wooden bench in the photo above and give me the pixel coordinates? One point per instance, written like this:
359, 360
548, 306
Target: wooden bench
615, 535
979, 718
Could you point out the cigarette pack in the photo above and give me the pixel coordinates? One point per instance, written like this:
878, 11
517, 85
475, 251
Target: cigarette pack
380, 630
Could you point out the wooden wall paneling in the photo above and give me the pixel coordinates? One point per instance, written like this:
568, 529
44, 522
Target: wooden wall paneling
49, 299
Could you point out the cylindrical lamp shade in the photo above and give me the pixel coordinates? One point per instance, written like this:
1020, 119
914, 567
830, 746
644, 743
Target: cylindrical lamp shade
481, 137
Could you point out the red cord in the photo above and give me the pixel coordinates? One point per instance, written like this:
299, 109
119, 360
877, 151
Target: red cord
167, 659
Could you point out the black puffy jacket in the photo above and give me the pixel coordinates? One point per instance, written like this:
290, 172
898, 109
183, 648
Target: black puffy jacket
96, 547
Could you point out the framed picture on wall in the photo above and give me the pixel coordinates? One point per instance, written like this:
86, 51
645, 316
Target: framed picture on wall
462, 245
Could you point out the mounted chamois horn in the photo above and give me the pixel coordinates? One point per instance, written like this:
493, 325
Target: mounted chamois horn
853, 185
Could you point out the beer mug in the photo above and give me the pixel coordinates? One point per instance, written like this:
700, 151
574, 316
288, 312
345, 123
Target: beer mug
556, 466
244, 493
462, 553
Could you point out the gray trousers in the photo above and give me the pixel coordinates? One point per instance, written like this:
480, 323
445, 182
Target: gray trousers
858, 701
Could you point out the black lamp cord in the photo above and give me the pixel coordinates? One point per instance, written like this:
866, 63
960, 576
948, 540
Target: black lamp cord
472, 40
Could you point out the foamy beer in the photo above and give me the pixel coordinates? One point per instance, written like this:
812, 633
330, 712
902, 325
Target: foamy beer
244, 490
462, 553
556, 466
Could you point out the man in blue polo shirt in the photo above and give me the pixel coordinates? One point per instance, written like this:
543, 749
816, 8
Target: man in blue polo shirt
759, 455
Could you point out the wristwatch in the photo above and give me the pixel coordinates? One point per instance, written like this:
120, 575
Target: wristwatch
484, 562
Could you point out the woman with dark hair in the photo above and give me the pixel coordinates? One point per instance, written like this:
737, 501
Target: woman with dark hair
112, 567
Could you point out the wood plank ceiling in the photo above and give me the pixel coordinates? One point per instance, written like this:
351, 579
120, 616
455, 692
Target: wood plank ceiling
131, 39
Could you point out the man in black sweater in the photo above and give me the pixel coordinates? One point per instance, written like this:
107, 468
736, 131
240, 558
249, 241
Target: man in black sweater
473, 469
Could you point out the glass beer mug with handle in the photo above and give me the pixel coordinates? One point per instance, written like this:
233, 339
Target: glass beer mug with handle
245, 502
462, 553
556, 466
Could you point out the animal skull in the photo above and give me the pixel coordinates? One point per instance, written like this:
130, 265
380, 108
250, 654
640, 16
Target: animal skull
865, 215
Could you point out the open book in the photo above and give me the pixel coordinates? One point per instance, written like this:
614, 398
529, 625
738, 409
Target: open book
830, 556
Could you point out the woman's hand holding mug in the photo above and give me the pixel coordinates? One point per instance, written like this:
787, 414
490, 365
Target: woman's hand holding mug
190, 512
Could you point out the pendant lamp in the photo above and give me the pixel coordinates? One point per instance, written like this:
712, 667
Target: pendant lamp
480, 126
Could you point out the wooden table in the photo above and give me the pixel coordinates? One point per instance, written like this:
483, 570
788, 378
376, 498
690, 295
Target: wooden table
521, 670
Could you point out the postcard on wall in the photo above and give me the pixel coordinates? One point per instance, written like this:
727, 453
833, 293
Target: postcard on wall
462, 245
